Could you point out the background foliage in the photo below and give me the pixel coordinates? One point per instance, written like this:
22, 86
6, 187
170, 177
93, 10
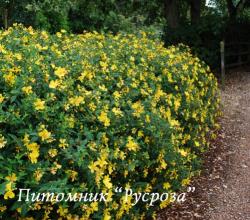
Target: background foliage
198, 24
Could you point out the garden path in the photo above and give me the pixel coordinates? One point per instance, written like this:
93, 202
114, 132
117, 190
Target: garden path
223, 189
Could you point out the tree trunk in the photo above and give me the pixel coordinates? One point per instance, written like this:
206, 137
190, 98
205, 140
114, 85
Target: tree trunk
5, 18
195, 11
172, 13
233, 11
241, 6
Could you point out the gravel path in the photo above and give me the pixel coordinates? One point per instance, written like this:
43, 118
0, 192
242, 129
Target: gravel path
223, 189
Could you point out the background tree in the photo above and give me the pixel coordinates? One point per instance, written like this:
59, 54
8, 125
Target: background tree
172, 12
196, 7
235, 8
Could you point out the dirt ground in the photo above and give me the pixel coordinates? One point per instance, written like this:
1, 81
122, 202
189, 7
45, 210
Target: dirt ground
223, 189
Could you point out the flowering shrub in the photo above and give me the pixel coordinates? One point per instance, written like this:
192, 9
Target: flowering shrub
91, 112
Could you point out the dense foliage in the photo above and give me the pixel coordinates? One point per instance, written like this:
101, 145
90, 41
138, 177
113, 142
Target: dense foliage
76, 16
90, 112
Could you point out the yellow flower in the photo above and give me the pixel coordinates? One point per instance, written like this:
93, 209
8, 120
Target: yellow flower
94, 206
76, 101
8, 186
37, 206
117, 95
185, 182
138, 108
38, 174
32, 146
71, 121
106, 182
9, 195
9, 78
52, 152
174, 123
86, 74
103, 117
197, 144
117, 111
92, 106
26, 139
58, 34
63, 143
132, 145
103, 88
11, 177
132, 59
3, 208
34, 152
62, 211
39, 104
93, 167
165, 203
104, 65
72, 174
54, 84
2, 48
163, 164
18, 56
61, 72
2, 141
106, 215
166, 185
56, 167
140, 133
147, 119
27, 90
183, 152
1, 98
185, 67
33, 156
177, 104
44, 135
113, 67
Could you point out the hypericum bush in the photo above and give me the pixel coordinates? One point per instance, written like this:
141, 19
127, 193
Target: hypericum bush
88, 113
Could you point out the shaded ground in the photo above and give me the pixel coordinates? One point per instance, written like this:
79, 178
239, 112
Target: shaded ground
223, 190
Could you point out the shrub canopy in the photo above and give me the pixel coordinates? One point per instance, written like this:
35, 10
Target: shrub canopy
91, 112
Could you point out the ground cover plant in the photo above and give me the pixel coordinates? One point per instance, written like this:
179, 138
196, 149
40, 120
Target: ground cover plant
91, 112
